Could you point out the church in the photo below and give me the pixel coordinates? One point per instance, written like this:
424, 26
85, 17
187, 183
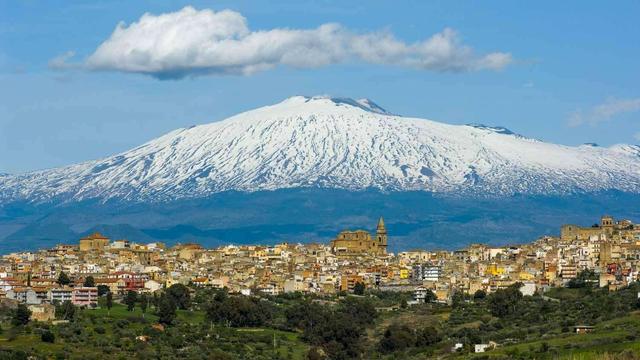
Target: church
360, 242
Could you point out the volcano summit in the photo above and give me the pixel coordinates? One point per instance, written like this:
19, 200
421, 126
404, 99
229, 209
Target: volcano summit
334, 143
279, 172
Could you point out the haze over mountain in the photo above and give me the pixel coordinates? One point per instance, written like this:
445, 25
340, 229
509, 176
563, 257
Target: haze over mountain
335, 143
307, 167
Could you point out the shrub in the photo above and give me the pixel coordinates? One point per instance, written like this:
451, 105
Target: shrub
47, 336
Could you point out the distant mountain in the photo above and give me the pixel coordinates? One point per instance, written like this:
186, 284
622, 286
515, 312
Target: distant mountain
333, 143
308, 167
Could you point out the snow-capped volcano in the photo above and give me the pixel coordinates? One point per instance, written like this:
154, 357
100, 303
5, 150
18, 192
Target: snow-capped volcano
334, 143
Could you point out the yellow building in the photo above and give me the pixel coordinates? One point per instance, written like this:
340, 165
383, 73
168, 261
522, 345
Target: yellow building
95, 241
523, 275
495, 270
188, 251
360, 242
404, 274
348, 282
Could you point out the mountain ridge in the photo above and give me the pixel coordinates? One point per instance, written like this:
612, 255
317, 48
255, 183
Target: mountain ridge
338, 143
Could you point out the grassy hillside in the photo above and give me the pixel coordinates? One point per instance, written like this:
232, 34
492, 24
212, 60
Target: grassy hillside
216, 325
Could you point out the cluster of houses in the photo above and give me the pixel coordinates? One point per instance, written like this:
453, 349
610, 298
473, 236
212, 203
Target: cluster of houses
610, 248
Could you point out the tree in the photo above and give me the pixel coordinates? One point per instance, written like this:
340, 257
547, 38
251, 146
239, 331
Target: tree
362, 311
103, 290
337, 331
479, 294
315, 354
48, 337
427, 336
358, 288
66, 311
504, 302
130, 300
21, 315
63, 279
154, 300
180, 295
239, 311
396, 338
89, 281
430, 296
403, 304
144, 303
585, 278
166, 310
457, 299
109, 302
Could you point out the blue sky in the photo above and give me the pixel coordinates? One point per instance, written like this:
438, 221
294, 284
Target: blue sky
572, 76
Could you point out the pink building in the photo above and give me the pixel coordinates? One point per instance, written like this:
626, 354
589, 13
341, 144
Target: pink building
85, 296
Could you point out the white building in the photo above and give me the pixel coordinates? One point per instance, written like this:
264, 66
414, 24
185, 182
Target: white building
60, 295
24, 295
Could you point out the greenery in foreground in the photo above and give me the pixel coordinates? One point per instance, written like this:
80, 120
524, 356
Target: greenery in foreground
212, 324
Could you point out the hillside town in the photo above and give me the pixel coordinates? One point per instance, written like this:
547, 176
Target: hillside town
609, 248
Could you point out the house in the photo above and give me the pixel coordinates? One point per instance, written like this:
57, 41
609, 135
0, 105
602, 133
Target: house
85, 296
60, 295
94, 242
111, 283
420, 294
9, 283
528, 288
42, 312
583, 329
348, 282
294, 284
200, 281
480, 348
25, 295
152, 285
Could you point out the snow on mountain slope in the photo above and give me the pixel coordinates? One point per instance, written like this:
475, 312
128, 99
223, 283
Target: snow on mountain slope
335, 143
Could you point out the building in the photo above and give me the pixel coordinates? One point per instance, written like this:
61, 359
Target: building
60, 295
360, 242
420, 294
583, 329
188, 251
94, 242
85, 296
427, 272
25, 295
608, 228
348, 282
42, 312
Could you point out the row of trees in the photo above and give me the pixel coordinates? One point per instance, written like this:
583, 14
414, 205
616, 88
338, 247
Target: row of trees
175, 297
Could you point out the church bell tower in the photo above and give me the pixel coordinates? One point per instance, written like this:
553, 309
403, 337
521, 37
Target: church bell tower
381, 236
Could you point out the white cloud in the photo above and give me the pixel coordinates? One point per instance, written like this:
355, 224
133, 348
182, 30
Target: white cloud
61, 62
193, 42
604, 112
